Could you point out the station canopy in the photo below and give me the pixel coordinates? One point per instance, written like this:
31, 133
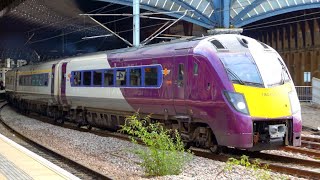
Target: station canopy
40, 30
223, 13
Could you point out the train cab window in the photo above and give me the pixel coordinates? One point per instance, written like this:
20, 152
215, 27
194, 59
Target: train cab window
151, 76
195, 68
108, 78
121, 77
135, 77
97, 78
77, 78
87, 78
180, 75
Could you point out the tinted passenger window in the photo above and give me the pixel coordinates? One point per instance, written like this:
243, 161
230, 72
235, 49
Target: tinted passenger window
34, 80
41, 79
108, 78
87, 78
45, 76
135, 77
195, 68
77, 78
21, 80
151, 76
180, 75
97, 78
121, 77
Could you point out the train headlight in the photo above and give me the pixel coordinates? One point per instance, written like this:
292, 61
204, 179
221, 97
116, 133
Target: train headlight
237, 101
294, 102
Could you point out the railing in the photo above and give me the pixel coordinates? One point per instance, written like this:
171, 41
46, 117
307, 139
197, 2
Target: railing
304, 93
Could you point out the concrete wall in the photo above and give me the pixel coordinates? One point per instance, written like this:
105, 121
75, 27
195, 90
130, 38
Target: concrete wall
316, 90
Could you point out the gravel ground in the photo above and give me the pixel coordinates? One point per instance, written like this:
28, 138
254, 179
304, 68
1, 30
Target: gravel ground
111, 156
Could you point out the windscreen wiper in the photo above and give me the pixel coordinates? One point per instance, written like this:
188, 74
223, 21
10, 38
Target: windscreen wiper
283, 72
234, 75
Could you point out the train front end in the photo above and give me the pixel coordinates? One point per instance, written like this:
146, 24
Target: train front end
264, 103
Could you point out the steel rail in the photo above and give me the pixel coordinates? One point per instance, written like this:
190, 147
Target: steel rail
94, 173
273, 166
301, 150
310, 145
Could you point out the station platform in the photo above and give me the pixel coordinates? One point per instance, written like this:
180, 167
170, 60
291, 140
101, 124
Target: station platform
17, 162
310, 116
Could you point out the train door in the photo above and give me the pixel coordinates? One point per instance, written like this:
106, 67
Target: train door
52, 79
179, 77
63, 80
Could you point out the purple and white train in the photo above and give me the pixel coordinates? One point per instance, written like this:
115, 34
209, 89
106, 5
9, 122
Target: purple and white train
221, 90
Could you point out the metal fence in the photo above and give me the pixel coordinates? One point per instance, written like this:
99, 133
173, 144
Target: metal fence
304, 93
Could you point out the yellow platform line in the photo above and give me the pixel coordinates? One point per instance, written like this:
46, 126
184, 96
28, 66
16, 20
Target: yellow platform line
2, 177
32, 164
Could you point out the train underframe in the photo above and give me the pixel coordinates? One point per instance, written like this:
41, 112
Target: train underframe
197, 134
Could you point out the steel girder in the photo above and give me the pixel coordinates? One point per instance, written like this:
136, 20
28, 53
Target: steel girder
222, 13
261, 9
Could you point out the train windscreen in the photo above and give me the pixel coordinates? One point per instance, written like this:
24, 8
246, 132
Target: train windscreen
241, 69
272, 69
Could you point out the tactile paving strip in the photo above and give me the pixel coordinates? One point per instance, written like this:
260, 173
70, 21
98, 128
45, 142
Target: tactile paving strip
10, 171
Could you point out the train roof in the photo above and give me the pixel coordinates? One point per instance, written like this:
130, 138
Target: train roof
182, 43
170, 48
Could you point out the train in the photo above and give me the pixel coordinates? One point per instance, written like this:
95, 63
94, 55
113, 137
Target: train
224, 90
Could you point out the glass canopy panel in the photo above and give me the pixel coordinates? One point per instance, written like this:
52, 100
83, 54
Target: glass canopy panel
274, 4
299, 2
291, 2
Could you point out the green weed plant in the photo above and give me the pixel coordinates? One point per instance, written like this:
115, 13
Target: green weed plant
259, 171
164, 154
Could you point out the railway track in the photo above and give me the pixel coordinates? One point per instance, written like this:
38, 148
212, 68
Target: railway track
287, 165
292, 166
69, 165
310, 142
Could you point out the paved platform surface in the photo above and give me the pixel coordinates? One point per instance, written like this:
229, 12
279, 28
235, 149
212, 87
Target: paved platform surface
16, 162
310, 116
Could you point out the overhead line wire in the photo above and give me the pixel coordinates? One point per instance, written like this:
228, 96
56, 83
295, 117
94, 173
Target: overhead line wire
66, 20
282, 23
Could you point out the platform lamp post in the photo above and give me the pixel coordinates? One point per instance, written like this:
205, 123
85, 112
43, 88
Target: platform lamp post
136, 23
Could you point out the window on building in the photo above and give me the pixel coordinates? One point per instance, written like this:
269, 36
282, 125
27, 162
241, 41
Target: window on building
121, 77
307, 76
135, 77
97, 78
151, 76
108, 78
87, 78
